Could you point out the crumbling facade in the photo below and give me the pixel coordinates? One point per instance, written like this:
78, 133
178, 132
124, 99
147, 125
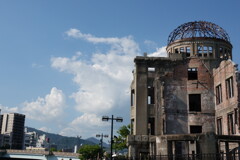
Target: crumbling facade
186, 103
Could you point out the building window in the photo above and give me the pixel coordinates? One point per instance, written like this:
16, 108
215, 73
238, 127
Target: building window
205, 51
192, 73
132, 97
229, 87
200, 51
151, 69
219, 126
195, 102
164, 126
188, 51
210, 51
195, 129
176, 50
151, 126
221, 52
230, 124
150, 95
132, 125
219, 94
236, 116
182, 50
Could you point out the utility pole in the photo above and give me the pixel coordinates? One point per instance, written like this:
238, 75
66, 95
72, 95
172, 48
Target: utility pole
118, 119
101, 142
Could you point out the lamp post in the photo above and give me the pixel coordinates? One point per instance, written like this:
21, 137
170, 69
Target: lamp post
101, 142
118, 119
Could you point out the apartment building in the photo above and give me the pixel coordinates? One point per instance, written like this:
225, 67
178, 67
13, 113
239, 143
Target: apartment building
12, 130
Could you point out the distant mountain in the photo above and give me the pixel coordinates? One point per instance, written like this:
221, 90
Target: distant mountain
97, 141
62, 142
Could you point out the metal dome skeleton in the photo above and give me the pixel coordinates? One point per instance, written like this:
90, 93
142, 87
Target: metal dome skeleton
198, 29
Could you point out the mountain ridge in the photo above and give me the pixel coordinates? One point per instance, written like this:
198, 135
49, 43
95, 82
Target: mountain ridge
65, 142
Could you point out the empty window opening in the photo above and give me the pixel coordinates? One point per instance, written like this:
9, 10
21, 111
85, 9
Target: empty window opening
200, 51
225, 50
151, 69
221, 50
132, 97
230, 124
192, 73
219, 126
219, 94
181, 50
195, 102
179, 145
195, 129
205, 51
236, 116
210, 51
132, 125
176, 50
151, 126
149, 99
188, 51
150, 95
164, 126
229, 87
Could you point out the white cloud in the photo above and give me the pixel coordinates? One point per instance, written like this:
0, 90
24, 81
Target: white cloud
125, 45
47, 108
91, 119
160, 52
84, 124
5, 109
102, 82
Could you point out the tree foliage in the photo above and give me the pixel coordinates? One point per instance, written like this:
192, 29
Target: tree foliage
52, 149
89, 151
120, 141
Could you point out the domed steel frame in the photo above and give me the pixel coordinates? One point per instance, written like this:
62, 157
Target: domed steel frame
198, 29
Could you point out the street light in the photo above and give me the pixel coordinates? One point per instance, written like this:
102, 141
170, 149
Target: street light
117, 119
101, 142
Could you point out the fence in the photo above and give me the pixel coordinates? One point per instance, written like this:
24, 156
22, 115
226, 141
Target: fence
220, 156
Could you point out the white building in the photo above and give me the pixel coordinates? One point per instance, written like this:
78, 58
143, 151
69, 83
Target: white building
30, 139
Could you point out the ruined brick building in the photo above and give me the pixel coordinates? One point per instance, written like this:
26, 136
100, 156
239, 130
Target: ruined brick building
186, 103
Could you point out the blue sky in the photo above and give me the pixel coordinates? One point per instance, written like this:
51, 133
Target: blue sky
64, 64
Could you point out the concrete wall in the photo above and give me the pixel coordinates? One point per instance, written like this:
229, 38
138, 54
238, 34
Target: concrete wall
226, 70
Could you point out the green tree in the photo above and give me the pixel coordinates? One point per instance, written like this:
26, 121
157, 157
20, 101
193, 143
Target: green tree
120, 141
53, 149
89, 151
